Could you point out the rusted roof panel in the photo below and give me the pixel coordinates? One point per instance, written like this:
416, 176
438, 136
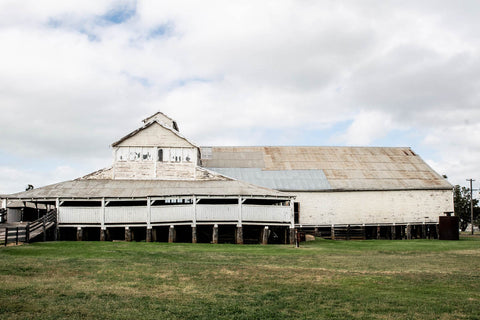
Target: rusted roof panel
345, 168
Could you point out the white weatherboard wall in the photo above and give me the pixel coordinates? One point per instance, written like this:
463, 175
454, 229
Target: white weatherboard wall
228, 212
173, 213
146, 170
270, 214
373, 207
125, 214
80, 215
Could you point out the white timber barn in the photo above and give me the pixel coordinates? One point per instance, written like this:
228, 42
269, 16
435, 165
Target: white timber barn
162, 187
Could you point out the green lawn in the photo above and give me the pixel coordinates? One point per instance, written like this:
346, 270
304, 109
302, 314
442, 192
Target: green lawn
416, 279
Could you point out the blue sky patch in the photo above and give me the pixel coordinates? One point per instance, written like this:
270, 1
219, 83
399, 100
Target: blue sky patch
160, 31
121, 13
26, 163
398, 138
187, 81
91, 36
55, 23
142, 80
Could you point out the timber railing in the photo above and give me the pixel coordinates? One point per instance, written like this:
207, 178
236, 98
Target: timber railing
13, 235
25, 233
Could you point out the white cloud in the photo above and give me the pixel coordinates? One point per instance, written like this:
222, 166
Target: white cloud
367, 127
72, 82
15, 180
460, 150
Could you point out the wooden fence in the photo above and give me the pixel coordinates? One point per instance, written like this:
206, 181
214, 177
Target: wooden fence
25, 233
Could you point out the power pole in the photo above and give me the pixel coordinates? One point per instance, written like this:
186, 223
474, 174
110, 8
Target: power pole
471, 202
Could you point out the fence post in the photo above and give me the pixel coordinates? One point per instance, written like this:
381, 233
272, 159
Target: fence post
55, 230
44, 229
16, 237
27, 233
6, 236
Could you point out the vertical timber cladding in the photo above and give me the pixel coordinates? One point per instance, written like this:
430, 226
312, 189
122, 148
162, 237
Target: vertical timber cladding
371, 207
155, 152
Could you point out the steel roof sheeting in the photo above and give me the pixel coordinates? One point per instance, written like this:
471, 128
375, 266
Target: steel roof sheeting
343, 168
145, 188
280, 180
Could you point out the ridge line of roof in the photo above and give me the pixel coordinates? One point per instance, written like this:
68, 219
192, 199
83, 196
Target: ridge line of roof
148, 124
158, 112
307, 146
368, 190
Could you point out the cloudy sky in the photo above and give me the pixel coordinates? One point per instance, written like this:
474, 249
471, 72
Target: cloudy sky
77, 75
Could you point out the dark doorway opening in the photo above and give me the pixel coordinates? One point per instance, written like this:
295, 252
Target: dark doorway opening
116, 233
296, 211
139, 233
226, 233
204, 233
183, 234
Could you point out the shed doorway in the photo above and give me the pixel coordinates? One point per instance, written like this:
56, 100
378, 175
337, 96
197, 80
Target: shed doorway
296, 212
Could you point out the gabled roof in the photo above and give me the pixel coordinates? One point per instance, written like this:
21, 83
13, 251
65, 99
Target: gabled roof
147, 125
325, 168
106, 188
149, 119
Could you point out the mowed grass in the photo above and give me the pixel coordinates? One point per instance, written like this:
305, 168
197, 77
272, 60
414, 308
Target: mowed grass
416, 279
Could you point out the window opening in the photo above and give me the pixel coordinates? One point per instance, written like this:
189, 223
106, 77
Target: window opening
146, 154
122, 154
175, 201
187, 155
135, 154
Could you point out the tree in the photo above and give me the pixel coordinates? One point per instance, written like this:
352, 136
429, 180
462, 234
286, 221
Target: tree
461, 200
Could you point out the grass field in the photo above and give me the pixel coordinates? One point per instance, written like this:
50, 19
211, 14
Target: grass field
416, 279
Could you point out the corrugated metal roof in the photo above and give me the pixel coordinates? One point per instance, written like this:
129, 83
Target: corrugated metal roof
292, 180
21, 204
345, 168
143, 188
